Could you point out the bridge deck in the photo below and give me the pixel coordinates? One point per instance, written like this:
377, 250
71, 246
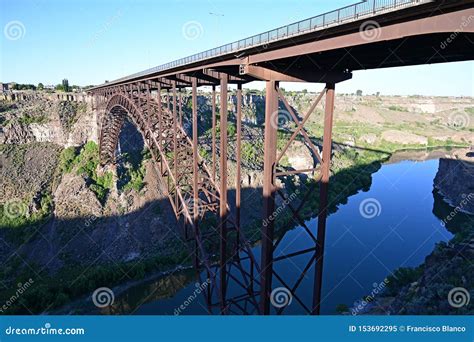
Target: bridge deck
338, 23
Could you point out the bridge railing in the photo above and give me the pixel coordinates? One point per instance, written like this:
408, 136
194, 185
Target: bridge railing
360, 10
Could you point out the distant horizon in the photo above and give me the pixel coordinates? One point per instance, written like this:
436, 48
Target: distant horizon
207, 89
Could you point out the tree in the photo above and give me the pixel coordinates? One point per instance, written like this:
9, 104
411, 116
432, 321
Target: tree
359, 92
59, 87
40, 86
66, 85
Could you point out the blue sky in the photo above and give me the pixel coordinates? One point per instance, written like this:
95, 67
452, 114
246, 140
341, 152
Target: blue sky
90, 41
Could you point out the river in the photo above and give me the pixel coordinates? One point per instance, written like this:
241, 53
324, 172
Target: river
389, 226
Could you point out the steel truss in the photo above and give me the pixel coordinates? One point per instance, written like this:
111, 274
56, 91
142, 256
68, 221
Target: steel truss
196, 192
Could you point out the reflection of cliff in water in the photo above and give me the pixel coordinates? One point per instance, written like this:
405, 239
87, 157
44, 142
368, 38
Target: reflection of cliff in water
454, 181
455, 222
158, 289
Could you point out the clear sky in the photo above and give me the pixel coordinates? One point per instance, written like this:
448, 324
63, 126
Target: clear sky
89, 41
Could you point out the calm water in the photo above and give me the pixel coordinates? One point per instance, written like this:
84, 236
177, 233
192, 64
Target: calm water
359, 251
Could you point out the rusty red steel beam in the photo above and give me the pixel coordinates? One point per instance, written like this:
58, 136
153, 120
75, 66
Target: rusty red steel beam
140, 99
175, 139
440, 23
223, 187
235, 62
300, 126
214, 123
216, 75
238, 147
195, 168
270, 142
297, 122
180, 105
324, 193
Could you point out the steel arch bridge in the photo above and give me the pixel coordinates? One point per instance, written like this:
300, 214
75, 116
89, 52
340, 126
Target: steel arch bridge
323, 49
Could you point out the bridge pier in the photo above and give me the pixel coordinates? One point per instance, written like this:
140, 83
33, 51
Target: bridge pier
270, 190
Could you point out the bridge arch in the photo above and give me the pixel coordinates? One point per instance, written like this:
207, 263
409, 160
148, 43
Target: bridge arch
117, 109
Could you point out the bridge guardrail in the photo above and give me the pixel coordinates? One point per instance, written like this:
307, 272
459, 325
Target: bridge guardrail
360, 10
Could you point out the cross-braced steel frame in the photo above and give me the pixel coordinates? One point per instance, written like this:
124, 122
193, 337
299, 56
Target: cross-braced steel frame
196, 192
154, 102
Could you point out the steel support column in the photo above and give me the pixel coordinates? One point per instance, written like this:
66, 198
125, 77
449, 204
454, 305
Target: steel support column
180, 102
323, 196
160, 126
223, 189
195, 171
148, 111
238, 176
175, 141
271, 109
214, 133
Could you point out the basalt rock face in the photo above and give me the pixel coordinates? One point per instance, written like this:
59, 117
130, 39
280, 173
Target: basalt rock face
444, 287
78, 226
455, 182
45, 120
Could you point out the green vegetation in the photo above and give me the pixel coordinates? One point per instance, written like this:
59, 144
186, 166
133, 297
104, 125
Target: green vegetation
402, 277
231, 130
86, 163
398, 108
204, 153
52, 291
14, 213
342, 308
469, 110
19, 86
133, 172
252, 152
28, 119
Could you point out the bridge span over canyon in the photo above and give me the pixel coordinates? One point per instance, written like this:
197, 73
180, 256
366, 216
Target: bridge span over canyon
323, 49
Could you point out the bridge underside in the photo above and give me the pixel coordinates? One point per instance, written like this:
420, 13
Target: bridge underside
155, 104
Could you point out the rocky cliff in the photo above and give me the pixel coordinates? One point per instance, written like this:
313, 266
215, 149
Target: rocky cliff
455, 182
43, 119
